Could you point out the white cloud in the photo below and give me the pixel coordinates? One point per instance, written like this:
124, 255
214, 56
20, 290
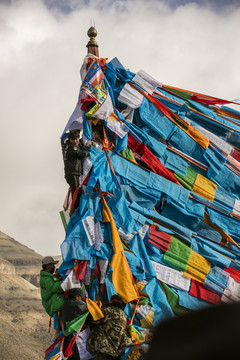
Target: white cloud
41, 52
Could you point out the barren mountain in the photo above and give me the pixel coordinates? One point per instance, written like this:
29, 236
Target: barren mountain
24, 323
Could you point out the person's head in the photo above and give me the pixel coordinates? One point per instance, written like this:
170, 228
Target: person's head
117, 301
74, 137
75, 294
48, 264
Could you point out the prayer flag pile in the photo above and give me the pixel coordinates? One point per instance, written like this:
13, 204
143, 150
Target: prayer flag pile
159, 217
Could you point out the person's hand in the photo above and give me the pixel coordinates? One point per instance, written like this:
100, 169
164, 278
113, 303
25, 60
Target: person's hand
88, 143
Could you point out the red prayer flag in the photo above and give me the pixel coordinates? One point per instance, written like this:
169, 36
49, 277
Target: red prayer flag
150, 159
81, 269
235, 274
159, 238
199, 291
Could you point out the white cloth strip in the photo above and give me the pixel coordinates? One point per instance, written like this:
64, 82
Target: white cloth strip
70, 282
117, 127
130, 96
88, 224
232, 291
103, 265
223, 145
146, 81
171, 276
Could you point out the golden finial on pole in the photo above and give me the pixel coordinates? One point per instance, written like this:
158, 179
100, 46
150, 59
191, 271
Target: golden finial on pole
92, 33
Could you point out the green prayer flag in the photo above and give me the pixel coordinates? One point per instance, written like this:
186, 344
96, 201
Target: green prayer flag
188, 180
75, 324
173, 300
178, 255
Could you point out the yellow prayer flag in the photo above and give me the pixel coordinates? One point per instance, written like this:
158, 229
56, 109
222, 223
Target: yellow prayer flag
198, 137
204, 187
197, 267
147, 322
107, 216
94, 310
122, 277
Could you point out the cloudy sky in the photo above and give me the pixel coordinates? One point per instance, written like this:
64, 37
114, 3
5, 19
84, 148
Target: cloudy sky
188, 44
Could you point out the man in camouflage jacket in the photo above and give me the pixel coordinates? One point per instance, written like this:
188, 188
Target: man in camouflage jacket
108, 335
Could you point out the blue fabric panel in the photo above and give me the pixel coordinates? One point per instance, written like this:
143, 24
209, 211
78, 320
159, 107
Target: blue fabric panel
218, 129
224, 199
157, 147
78, 213
192, 207
216, 280
154, 253
204, 248
138, 247
170, 224
148, 114
174, 162
109, 284
106, 251
228, 180
135, 265
101, 172
182, 141
158, 300
215, 161
170, 104
87, 131
65, 265
227, 223
133, 194
139, 219
204, 109
191, 222
120, 144
144, 178
207, 110
120, 212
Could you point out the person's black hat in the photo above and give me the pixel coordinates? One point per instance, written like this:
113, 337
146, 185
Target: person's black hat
72, 293
74, 134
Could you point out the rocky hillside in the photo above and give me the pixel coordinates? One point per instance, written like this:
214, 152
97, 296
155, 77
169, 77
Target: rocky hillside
24, 323
26, 261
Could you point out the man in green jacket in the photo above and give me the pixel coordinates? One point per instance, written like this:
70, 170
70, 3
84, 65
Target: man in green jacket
51, 291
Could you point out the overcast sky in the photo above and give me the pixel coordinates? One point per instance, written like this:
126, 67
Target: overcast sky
188, 44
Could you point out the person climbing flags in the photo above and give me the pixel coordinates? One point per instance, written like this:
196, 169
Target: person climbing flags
74, 154
108, 338
72, 309
51, 291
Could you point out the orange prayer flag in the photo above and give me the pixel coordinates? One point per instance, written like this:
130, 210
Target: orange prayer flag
94, 309
122, 277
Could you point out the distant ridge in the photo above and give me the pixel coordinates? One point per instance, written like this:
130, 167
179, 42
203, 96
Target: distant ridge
17, 253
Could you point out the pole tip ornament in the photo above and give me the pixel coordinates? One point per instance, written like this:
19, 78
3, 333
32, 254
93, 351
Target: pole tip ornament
92, 33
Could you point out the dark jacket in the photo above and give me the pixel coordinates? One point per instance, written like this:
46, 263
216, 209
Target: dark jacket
108, 335
72, 309
51, 292
73, 157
